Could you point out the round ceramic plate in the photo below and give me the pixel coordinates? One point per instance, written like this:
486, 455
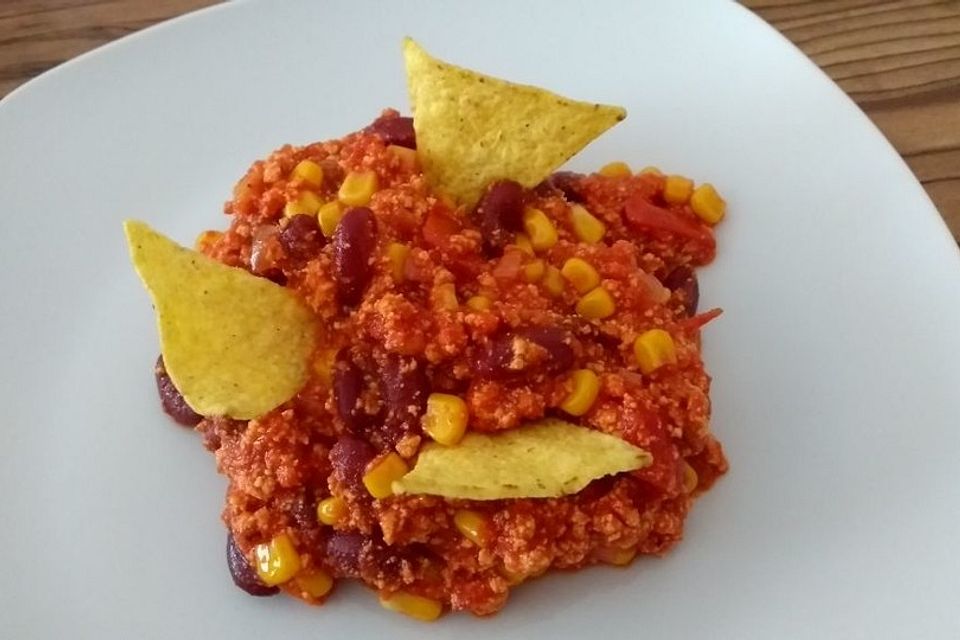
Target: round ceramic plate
836, 363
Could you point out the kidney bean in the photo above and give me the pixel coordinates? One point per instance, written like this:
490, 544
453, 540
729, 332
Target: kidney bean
394, 130
347, 386
684, 281
404, 387
500, 359
354, 242
500, 211
171, 399
301, 239
567, 182
349, 457
344, 551
244, 575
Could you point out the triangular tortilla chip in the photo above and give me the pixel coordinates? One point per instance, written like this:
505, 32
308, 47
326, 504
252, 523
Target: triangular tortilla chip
473, 129
233, 344
545, 459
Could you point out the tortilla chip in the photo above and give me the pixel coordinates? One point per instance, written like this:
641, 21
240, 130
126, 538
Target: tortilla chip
473, 129
545, 459
233, 344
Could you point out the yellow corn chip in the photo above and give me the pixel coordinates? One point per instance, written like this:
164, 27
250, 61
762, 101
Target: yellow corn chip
544, 459
233, 344
473, 129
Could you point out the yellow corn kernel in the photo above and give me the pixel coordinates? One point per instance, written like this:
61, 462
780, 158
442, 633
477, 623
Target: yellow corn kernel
479, 303
473, 525
331, 510
315, 584
277, 561
309, 172
406, 157
615, 170
445, 297
707, 204
446, 417
677, 189
690, 478
553, 281
653, 349
307, 203
586, 388
586, 226
580, 274
522, 241
329, 216
616, 556
651, 169
533, 271
417, 607
596, 305
206, 239
397, 255
540, 229
381, 476
357, 188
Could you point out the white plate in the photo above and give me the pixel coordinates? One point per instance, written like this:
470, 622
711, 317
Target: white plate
836, 364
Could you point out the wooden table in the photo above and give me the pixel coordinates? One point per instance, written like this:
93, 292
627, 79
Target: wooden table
899, 59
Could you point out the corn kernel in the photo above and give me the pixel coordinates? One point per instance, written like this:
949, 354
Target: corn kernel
307, 203
445, 297
331, 510
653, 349
446, 417
406, 157
329, 216
586, 387
616, 556
479, 303
381, 476
206, 240
522, 241
397, 255
473, 525
417, 607
553, 281
533, 271
615, 170
315, 584
580, 274
540, 229
357, 188
690, 478
276, 561
309, 172
586, 226
651, 169
596, 305
677, 189
707, 204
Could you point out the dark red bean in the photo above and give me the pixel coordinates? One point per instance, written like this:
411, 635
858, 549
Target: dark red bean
567, 182
354, 555
172, 400
245, 576
349, 457
354, 243
500, 212
683, 281
348, 385
344, 551
396, 130
503, 357
404, 388
301, 239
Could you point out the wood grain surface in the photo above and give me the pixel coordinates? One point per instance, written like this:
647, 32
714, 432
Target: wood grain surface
898, 59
